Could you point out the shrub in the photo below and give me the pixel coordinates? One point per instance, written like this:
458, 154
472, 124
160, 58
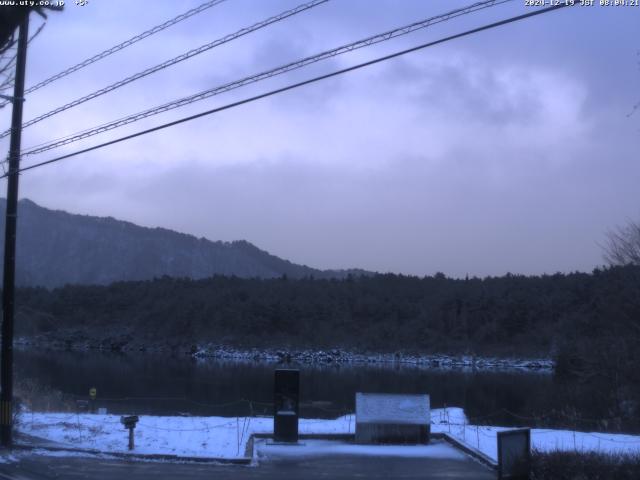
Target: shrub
562, 465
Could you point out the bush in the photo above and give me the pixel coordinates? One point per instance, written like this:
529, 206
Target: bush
559, 465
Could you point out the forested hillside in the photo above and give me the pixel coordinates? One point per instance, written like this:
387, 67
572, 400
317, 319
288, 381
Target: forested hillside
56, 248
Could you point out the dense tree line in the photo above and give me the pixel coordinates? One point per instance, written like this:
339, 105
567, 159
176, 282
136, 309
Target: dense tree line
509, 314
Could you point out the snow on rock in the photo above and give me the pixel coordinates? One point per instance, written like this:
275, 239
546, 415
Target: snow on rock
224, 352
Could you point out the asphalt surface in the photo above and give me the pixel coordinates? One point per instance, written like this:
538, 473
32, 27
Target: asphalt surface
39, 467
32, 466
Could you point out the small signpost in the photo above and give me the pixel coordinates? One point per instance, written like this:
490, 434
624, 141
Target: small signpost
286, 405
82, 406
92, 399
130, 423
514, 454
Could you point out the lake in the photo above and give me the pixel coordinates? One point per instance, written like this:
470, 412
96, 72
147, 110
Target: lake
165, 385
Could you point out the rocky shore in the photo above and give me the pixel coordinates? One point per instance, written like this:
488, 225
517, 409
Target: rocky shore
294, 356
349, 357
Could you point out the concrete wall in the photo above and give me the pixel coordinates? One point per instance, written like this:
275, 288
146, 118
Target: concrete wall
379, 433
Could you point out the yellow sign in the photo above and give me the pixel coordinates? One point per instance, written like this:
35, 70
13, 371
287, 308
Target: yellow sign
93, 392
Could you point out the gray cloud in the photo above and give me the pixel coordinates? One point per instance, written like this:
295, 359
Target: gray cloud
507, 151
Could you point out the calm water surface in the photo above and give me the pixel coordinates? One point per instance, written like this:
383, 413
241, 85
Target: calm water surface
163, 385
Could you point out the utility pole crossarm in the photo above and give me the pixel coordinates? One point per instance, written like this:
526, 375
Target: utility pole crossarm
10, 98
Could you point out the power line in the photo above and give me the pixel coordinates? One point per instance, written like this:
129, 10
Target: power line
299, 84
120, 46
404, 30
180, 58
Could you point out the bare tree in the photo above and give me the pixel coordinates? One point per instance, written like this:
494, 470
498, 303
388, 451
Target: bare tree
12, 15
636, 107
7, 64
10, 19
623, 245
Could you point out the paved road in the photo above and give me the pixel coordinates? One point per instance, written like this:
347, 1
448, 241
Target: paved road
38, 467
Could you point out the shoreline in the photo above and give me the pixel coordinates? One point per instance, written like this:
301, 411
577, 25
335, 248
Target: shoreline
317, 357
341, 357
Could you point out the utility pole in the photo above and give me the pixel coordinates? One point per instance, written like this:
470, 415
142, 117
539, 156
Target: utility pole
8, 287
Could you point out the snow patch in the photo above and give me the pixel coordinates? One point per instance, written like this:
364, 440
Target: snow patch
392, 408
310, 448
6, 457
224, 437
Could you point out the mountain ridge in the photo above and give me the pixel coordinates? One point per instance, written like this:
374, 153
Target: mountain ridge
55, 248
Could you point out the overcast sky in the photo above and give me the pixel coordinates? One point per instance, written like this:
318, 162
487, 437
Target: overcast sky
507, 151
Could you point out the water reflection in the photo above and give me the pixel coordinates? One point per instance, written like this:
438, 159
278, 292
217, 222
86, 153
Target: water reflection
163, 385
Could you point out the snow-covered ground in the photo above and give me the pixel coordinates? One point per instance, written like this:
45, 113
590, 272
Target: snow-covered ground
220, 437
484, 438
225, 437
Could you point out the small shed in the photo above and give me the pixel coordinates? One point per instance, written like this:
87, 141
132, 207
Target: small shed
392, 418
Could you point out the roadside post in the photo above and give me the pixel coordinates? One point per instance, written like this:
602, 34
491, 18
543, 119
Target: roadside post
130, 423
286, 405
514, 454
93, 392
82, 406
